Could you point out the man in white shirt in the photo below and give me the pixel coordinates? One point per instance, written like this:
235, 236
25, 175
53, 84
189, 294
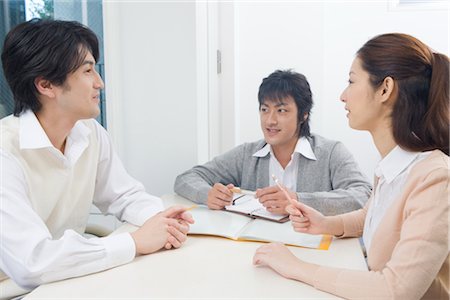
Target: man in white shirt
56, 161
319, 172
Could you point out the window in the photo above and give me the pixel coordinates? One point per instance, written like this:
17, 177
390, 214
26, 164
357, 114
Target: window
13, 12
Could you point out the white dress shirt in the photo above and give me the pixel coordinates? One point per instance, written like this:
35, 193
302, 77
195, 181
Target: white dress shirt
288, 175
392, 172
30, 254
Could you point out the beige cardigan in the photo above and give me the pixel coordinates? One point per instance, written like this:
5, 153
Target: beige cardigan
409, 254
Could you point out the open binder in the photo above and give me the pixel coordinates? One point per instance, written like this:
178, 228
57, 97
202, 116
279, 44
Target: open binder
250, 206
240, 227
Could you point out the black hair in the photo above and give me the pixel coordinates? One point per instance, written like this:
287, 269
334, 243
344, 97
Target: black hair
50, 49
284, 83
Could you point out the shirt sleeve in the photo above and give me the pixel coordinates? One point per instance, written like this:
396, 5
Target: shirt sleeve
116, 192
350, 188
416, 258
194, 184
29, 254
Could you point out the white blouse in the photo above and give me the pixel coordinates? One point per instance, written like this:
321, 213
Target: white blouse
391, 174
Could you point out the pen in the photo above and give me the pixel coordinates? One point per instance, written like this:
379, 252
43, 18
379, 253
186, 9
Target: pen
238, 190
284, 191
191, 207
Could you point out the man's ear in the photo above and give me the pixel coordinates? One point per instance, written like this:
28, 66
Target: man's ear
386, 89
44, 87
305, 117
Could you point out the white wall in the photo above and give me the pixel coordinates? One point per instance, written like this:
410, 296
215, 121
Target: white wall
152, 63
318, 39
150, 50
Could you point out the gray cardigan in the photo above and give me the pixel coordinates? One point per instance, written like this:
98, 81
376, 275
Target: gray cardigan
332, 184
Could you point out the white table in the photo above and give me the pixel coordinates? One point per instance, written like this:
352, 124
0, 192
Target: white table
204, 267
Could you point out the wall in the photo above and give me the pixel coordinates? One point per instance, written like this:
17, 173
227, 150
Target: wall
155, 112
150, 50
318, 39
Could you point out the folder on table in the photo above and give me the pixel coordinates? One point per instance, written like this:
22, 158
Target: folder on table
240, 227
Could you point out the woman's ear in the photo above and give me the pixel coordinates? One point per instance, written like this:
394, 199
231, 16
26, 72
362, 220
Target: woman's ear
386, 90
44, 87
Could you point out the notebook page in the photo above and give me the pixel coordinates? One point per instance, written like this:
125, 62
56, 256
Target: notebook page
245, 204
250, 205
217, 222
268, 231
262, 212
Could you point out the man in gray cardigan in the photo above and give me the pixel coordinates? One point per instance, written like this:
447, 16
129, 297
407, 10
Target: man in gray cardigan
319, 172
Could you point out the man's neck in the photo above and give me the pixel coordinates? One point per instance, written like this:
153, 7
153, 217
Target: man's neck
56, 127
283, 153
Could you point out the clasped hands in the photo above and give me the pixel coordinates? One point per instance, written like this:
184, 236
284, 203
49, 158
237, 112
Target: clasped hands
167, 229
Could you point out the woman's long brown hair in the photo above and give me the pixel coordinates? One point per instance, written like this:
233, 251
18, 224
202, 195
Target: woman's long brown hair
420, 116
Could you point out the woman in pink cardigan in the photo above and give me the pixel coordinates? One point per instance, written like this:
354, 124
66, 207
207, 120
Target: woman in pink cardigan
398, 91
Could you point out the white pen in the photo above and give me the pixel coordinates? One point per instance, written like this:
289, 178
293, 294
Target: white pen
285, 192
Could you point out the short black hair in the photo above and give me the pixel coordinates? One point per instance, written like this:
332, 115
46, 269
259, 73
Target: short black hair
50, 49
284, 83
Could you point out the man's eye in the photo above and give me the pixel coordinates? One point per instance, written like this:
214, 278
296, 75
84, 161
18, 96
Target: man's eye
282, 110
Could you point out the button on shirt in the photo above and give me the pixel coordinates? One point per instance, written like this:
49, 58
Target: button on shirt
288, 175
392, 172
43, 257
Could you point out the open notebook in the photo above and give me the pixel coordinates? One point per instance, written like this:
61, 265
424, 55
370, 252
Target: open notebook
240, 227
249, 205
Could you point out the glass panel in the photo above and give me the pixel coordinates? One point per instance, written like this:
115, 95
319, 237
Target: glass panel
11, 13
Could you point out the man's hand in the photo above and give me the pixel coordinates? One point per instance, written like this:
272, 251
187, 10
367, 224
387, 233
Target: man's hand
220, 196
166, 229
274, 199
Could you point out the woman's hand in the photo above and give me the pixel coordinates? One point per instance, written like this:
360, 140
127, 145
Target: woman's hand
278, 257
306, 219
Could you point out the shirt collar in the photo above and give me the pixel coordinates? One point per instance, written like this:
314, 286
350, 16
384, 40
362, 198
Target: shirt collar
395, 163
33, 136
302, 147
